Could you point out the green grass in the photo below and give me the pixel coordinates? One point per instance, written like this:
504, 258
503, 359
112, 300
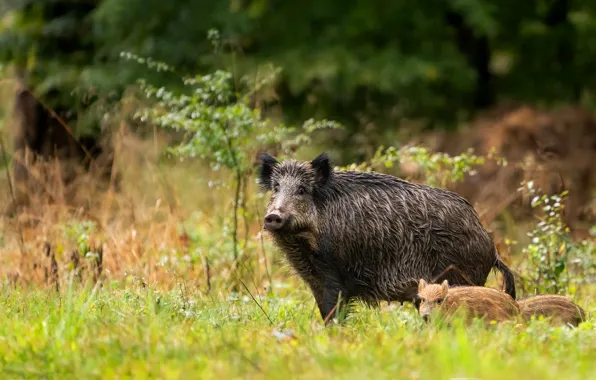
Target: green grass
144, 333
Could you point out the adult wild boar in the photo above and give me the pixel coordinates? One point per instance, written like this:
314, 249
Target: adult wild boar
371, 236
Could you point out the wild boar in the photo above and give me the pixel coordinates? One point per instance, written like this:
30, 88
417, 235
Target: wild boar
371, 236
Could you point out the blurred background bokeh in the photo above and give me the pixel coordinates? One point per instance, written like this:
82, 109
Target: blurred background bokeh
510, 79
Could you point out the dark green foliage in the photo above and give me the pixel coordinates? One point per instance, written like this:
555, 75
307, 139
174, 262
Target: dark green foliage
343, 60
53, 47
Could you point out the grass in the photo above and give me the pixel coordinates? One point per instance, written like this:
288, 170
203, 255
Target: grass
168, 307
159, 314
146, 333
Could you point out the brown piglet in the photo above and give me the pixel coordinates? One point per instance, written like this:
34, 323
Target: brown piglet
558, 309
475, 301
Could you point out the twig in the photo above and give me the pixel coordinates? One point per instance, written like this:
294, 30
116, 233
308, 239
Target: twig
237, 192
98, 264
453, 267
263, 250
244, 217
330, 314
208, 274
74, 259
252, 276
53, 270
255, 300
236, 206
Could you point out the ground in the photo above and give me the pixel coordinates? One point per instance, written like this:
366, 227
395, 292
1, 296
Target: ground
139, 332
167, 306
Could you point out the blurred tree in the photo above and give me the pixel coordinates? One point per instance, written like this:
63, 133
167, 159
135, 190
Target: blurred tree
52, 48
362, 63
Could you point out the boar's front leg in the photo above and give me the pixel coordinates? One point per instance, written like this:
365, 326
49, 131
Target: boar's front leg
333, 302
330, 292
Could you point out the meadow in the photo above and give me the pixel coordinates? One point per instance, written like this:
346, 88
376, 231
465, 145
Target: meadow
170, 276
146, 333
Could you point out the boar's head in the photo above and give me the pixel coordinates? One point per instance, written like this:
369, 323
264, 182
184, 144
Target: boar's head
296, 188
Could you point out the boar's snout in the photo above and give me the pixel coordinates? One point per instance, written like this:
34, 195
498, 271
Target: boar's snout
274, 221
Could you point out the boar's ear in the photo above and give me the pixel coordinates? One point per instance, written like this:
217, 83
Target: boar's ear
322, 166
266, 165
445, 286
421, 285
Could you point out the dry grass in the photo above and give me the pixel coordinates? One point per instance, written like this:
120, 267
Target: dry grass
160, 213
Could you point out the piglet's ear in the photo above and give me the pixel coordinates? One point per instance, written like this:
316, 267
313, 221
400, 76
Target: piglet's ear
445, 286
322, 167
266, 164
421, 285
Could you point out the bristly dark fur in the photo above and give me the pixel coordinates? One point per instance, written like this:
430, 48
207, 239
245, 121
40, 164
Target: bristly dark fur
371, 236
266, 170
323, 169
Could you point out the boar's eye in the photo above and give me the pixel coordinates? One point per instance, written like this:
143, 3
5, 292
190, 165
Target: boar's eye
301, 190
275, 187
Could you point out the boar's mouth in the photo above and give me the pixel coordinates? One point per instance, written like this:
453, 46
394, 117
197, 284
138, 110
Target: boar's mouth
291, 228
292, 233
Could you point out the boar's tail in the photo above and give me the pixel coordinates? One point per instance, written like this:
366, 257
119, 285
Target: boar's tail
508, 275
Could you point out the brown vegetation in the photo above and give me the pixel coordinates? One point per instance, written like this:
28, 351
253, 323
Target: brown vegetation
143, 233
48, 156
554, 149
